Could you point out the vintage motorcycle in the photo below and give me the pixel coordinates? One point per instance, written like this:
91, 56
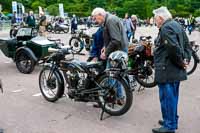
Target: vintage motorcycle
80, 40
57, 27
87, 82
141, 62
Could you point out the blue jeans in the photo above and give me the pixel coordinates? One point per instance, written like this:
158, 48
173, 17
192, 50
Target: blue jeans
169, 94
116, 84
129, 34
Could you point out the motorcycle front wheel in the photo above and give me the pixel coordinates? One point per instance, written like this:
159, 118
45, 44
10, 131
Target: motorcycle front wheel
76, 44
115, 96
51, 84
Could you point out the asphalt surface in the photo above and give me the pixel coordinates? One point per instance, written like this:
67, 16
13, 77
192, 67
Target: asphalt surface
24, 110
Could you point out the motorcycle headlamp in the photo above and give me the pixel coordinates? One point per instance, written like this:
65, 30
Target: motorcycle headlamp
118, 59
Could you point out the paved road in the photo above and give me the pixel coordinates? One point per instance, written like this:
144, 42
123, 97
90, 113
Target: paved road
24, 110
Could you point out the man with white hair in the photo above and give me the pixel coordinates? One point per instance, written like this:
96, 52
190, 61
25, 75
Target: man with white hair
114, 38
114, 34
169, 67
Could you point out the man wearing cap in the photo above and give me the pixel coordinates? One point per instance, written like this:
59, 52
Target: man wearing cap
169, 67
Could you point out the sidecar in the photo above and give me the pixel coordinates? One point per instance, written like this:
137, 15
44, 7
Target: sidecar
27, 49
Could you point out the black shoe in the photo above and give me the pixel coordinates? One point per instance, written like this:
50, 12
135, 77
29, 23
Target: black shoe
161, 122
162, 130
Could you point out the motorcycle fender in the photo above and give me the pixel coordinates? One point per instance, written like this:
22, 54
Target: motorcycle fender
61, 80
28, 51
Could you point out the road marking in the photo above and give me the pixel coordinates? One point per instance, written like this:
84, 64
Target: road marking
37, 95
15, 91
8, 62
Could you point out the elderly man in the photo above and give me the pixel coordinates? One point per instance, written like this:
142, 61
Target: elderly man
114, 34
169, 67
114, 38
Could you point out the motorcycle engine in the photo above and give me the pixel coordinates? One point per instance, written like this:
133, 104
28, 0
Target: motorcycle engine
77, 80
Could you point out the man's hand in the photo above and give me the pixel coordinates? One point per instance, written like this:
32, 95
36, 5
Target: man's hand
94, 59
103, 53
103, 56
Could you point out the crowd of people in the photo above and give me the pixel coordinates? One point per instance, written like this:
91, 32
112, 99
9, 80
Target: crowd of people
115, 33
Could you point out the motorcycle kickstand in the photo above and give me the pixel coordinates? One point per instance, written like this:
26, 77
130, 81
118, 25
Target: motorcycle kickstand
103, 110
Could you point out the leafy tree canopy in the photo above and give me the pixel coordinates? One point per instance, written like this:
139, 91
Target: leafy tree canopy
142, 8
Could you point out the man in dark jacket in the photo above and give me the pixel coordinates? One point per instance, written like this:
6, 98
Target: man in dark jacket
169, 67
74, 24
14, 19
114, 37
31, 19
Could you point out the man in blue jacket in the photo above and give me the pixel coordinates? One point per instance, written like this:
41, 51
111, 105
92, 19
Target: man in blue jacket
97, 45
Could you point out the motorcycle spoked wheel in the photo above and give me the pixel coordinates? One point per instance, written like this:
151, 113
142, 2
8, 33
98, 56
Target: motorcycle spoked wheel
108, 99
76, 44
13, 33
24, 63
146, 78
51, 84
49, 28
192, 65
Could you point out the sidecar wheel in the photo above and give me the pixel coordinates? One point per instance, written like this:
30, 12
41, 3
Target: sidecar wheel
24, 62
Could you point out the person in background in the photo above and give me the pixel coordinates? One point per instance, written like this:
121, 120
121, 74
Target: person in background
42, 24
134, 22
89, 22
74, 24
128, 26
191, 24
97, 45
14, 18
170, 68
30, 19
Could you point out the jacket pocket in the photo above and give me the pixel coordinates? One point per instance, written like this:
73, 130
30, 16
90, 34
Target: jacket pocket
160, 72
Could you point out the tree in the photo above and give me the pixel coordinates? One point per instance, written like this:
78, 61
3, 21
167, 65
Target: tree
53, 9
